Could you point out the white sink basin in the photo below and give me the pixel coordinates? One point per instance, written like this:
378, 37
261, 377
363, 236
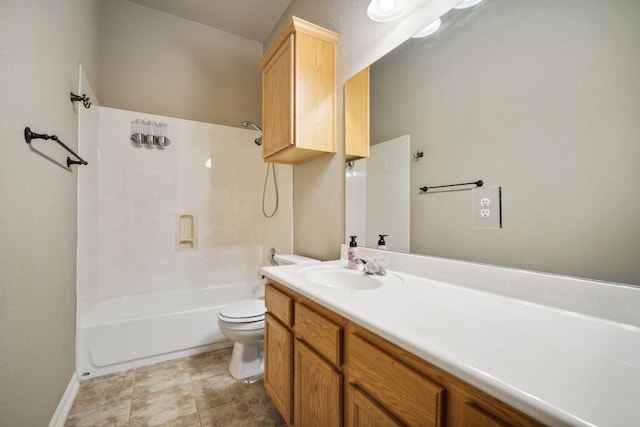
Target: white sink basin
343, 278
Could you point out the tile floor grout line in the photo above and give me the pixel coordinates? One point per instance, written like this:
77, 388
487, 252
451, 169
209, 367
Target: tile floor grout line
193, 393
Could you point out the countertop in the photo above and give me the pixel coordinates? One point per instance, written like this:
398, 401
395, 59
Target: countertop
560, 367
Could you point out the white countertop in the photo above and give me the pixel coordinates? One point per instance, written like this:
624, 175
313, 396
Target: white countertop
560, 367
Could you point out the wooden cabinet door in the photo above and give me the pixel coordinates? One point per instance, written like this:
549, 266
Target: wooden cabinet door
318, 390
278, 365
356, 116
278, 99
362, 411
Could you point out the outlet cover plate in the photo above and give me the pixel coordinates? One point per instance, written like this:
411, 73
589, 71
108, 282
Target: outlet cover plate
486, 207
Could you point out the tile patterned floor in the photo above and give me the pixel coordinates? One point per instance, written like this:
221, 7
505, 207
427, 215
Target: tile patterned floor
195, 391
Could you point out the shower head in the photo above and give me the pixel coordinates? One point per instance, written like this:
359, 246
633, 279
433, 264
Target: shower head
246, 124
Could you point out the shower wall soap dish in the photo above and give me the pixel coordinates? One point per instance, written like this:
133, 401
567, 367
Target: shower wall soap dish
186, 231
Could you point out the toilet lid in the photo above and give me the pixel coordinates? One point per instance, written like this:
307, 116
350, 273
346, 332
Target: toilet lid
246, 310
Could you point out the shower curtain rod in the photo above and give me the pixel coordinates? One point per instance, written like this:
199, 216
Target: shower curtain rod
28, 136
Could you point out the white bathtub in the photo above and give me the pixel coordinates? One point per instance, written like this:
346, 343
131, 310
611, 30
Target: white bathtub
121, 333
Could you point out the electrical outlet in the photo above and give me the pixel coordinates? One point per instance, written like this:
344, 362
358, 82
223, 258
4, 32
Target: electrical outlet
486, 207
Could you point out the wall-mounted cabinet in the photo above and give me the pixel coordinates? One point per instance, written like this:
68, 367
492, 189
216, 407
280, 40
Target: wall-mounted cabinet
299, 94
356, 116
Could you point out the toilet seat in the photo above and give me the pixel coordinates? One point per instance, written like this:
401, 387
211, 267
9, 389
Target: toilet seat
243, 311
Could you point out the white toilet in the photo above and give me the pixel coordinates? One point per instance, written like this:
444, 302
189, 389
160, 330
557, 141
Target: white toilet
243, 323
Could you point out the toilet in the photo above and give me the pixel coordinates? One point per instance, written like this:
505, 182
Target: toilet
242, 322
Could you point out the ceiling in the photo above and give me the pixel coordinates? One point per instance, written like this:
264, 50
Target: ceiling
251, 19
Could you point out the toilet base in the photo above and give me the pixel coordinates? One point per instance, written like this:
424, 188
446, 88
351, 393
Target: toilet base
247, 359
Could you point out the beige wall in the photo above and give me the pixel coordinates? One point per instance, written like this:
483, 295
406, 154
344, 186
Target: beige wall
318, 189
41, 45
548, 113
157, 63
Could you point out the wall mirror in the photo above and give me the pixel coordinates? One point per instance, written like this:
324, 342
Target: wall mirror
540, 98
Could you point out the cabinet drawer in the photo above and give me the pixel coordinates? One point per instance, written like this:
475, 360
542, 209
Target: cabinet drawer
320, 333
279, 304
473, 414
409, 396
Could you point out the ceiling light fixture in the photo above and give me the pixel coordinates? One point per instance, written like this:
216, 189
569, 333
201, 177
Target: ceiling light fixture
386, 10
428, 30
467, 3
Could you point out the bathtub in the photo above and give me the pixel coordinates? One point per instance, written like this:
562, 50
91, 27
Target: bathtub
121, 333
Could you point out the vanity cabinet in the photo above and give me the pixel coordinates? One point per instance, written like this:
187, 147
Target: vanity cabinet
323, 370
303, 359
298, 94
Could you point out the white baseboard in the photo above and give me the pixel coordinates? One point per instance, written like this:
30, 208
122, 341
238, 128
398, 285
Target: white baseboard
62, 411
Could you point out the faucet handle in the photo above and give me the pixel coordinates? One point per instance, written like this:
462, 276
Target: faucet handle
380, 267
372, 266
366, 263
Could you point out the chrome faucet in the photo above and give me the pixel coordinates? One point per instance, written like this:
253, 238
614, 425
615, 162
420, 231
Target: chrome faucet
372, 266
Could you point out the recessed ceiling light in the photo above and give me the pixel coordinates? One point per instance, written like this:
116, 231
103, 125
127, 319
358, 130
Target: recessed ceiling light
428, 30
467, 3
386, 10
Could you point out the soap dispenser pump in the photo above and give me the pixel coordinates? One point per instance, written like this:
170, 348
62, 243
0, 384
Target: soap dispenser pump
352, 254
381, 244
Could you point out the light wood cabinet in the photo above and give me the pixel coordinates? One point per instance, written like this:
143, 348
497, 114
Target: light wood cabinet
278, 369
278, 338
298, 94
322, 370
412, 398
363, 411
356, 116
303, 359
418, 393
318, 389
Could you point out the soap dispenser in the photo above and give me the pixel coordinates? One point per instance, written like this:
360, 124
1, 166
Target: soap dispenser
381, 244
352, 254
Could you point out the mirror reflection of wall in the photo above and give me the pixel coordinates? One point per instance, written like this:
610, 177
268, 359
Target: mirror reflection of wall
378, 189
539, 97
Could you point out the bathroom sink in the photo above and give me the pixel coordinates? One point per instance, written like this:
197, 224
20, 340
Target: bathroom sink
343, 278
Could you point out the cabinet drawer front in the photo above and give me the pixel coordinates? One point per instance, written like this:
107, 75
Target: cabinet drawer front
472, 414
279, 304
406, 394
320, 333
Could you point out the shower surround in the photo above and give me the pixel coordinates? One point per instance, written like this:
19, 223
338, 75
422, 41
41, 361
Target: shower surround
131, 200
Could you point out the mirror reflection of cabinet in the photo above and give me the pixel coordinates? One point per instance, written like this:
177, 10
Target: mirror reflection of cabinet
549, 113
298, 94
356, 113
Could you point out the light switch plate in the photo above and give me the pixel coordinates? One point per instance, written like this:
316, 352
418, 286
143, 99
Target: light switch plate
486, 207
